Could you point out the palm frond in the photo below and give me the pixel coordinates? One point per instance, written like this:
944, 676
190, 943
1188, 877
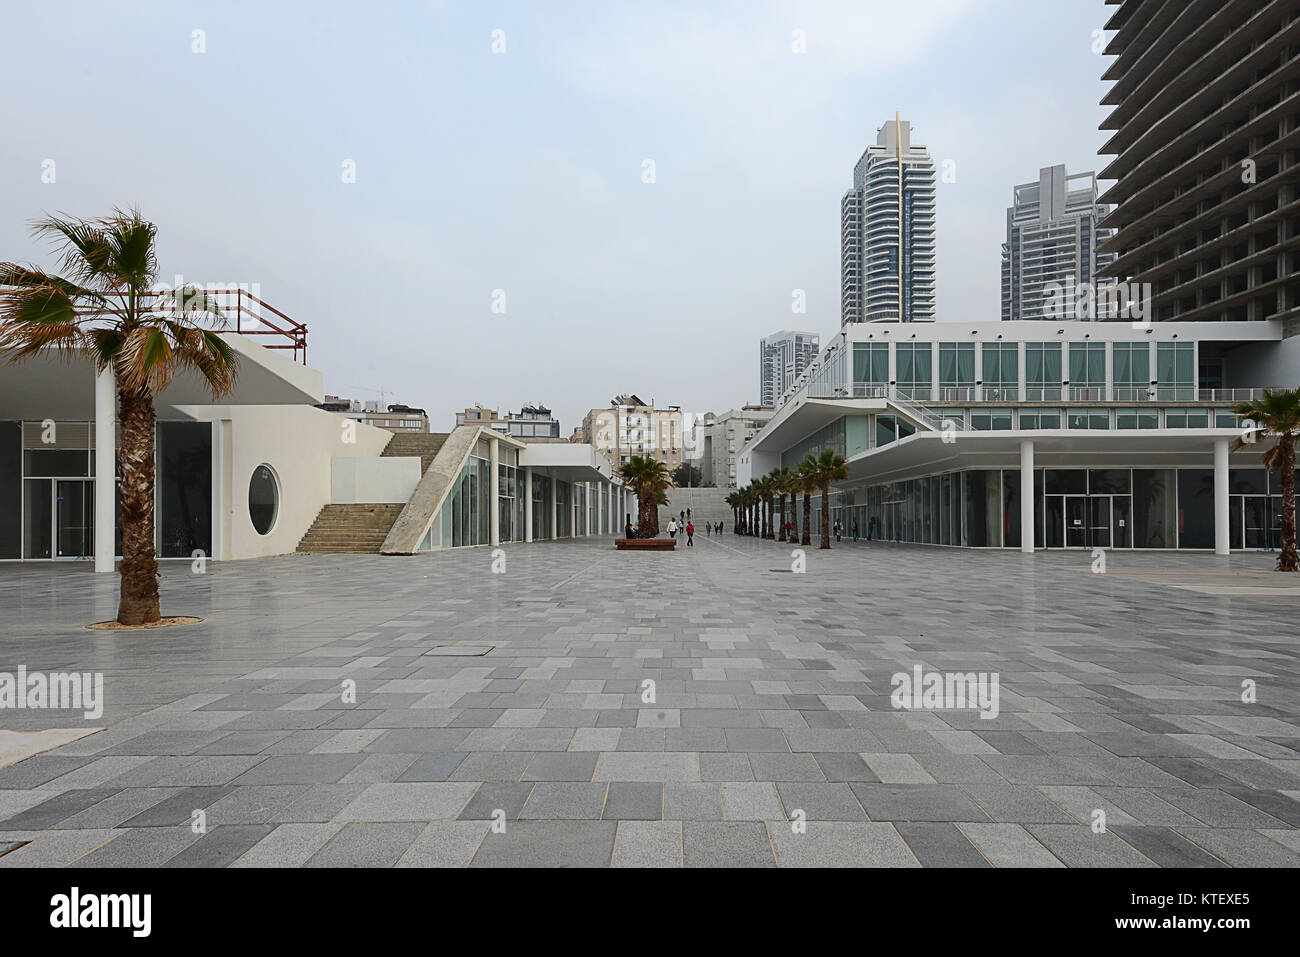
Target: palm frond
146, 362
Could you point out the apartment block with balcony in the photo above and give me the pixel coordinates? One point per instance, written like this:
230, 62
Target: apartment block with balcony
630, 426
887, 232
1051, 249
1205, 139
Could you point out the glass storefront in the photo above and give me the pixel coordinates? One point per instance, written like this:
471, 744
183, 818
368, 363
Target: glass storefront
1074, 508
464, 513
47, 476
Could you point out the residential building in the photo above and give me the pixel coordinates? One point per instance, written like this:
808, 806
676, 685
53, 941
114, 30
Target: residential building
731, 432
1038, 434
887, 239
783, 356
631, 426
1050, 256
533, 422
481, 416
394, 418
1205, 140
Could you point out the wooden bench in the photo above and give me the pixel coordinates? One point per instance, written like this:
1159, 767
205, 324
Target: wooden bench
645, 544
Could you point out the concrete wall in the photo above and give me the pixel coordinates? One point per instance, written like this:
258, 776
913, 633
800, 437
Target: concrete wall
299, 443
373, 480
1265, 364
706, 504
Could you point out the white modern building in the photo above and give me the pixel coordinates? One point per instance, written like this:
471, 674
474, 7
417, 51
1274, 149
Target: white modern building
731, 432
887, 232
263, 471
1041, 434
1051, 251
782, 358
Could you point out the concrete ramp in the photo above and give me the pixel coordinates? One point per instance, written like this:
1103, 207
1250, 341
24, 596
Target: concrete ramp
408, 531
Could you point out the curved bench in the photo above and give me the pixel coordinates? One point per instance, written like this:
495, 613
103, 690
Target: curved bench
645, 544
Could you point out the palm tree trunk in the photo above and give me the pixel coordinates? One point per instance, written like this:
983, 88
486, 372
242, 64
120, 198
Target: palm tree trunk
807, 519
1287, 561
826, 515
138, 599
645, 523
771, 517
780, 535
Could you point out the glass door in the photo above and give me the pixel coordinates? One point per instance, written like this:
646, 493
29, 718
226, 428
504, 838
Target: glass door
1122, 532
1256, 513
1076, 521
74, 518
1099, 530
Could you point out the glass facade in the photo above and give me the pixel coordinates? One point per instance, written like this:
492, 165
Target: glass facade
465, 519
1074, 508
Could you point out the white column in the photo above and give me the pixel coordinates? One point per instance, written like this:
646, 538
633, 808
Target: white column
494, 483
602, 508
555, 529
105, 468
1221, 525
1027, 496
528, 504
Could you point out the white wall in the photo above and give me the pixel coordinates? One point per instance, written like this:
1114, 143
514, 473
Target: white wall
373, 480
299, 443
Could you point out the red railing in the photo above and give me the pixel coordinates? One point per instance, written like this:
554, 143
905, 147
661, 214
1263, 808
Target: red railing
251, 316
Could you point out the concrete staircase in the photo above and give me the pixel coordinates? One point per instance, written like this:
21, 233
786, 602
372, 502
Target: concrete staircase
411, 444
350, 528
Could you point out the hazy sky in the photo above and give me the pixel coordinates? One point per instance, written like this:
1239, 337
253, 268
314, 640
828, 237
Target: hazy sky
522, 171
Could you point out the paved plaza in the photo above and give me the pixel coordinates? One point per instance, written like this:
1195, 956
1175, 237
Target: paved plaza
517, 697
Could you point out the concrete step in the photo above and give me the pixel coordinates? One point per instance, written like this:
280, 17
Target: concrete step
350, 528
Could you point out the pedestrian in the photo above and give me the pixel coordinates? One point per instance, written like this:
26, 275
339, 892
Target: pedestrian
672, 528
855, 530
690, 533
837, 530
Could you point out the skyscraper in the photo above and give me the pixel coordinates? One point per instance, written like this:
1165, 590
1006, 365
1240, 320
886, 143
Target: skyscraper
783, 356
887, 232
1205, 129
1051, 247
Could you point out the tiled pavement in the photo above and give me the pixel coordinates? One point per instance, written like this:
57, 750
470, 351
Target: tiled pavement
1120, 692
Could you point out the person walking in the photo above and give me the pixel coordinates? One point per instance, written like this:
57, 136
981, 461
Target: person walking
672, 528
690, 534
837, 530
855, 531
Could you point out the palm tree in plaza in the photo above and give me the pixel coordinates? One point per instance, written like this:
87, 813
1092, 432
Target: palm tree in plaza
769, 489
733, 502
104, 307
781, 481
1277, 414
829, 466
803, 478
761, 499
648, 478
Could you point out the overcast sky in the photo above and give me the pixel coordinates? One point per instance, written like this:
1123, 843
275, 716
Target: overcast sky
523, 171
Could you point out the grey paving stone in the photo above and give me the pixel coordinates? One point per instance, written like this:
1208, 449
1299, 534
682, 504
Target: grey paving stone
221, 846
57, 848
1009, 845
50, 812
725, 767
1238, 847
1079, 846
494, 796
916, 802
370, 844
179, 808
139, 847
560, 766
844, 766
726, 844
634, 801
769, 766
648, 766
319, 804
940, 844
1015, 804
558, 801
1165, 846
549, 844
436, 766
289, 845
839, 844
300, 769
821, 802
648, 844
684, 801
433, 801
445, 844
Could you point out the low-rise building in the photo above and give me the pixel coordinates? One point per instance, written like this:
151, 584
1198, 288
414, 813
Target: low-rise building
631, 426
728, 434
394, 418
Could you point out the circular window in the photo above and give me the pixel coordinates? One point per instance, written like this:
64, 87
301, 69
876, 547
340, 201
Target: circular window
263, 499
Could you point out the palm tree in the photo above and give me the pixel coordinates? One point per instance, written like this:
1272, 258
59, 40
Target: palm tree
769, 500
806, 468
649, 479
104, 308
829, 466
782, 479
1278, 414
760, 496
733, 500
